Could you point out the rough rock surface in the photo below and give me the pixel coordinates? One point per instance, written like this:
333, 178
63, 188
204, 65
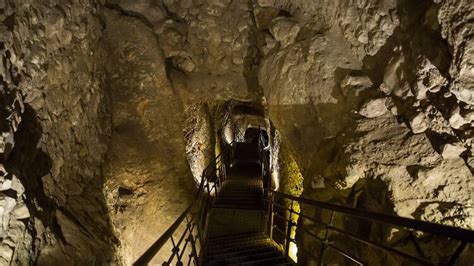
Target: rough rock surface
455, 18
315, 86
148, 181
298, 81
366, 25
399, 156
199, 133
200, 36
417, 177
54, 129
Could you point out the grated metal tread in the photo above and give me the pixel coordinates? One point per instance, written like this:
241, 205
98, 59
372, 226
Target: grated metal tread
251, 250
236, 221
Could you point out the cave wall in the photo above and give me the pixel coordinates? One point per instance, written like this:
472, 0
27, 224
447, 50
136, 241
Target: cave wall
373, 99
210, 45
170, 64
375, 94
199, 134
148, 180
54, 125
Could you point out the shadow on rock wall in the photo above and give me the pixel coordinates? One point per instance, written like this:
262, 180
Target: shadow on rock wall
62, 236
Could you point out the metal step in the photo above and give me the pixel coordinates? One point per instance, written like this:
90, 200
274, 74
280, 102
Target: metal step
281, 260
242, 252
241, 246
235, 237
238, 243
253, 246
254, 257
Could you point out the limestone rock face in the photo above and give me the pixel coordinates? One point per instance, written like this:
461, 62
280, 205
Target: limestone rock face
199, 36
54, 129
417, 169
453, 151
419, 123
374, 108
148, 181
386, 61
200, 138
366, 25
454, 17
152, 11
299, 81
284, 30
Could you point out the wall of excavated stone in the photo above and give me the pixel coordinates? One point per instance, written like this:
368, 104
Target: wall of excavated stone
148, 180
199, 134
375, 98
167, 61
54, 133
209, 45
393, 115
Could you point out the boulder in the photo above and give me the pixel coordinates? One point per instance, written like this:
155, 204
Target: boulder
452, 151
457, 121
21, 212
428, 79
285, 30
374, 108
419, 123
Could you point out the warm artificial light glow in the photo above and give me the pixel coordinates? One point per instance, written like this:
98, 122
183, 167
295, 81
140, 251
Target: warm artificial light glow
293, 252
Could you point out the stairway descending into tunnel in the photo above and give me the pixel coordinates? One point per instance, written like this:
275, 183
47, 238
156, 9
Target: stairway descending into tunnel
237, 219
235, 230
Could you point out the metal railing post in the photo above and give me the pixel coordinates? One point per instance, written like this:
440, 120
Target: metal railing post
194, 254
198, 209
325, 242
270, 217
456, 253
288, 231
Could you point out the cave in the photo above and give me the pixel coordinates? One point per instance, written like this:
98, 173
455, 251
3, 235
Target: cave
342, 132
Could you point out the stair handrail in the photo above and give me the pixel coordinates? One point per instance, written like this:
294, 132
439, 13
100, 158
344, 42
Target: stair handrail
264, 160
151, 252
464, 236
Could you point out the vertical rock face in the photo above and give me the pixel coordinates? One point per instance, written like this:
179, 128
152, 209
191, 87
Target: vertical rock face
456, 27
54, 130
366, 25
148, 180
208, 36
209, 45
375, 102
199, 36
301, 80
371, 96
199, 132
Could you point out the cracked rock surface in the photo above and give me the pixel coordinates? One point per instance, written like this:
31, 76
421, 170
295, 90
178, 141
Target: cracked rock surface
387, 107
109, 111
54, 128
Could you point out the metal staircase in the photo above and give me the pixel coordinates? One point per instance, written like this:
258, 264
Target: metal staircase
245, 249
237, 219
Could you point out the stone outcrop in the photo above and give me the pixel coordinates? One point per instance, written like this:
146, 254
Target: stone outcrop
376, 105
54, 130
148, 181
199, 36
317, 91
456, 28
